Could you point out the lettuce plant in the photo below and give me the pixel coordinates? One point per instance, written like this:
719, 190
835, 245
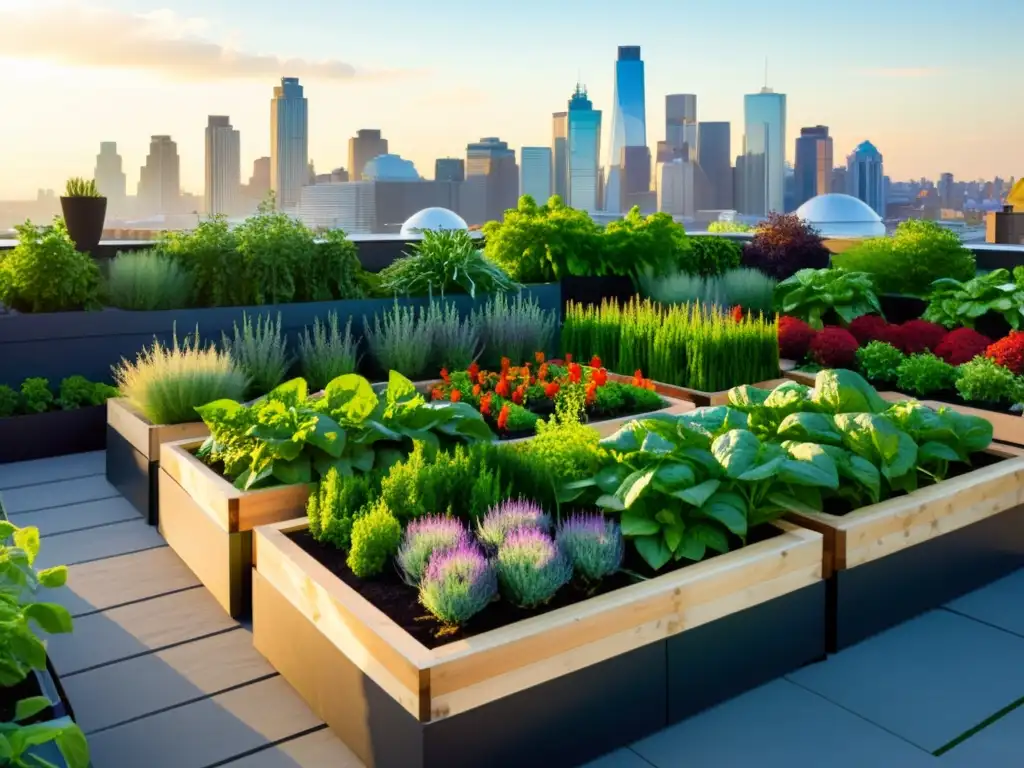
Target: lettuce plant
531, 567
953, 303
458, 584
811, 294
423, 538
925, 374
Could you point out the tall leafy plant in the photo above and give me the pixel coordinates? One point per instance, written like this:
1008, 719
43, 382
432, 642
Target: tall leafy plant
444, 262
811, 294
515, 328
783, 245
45, 273
327, 352
401, 340
954, 304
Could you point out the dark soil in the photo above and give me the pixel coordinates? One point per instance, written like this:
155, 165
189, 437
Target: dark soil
9, 698
400, 603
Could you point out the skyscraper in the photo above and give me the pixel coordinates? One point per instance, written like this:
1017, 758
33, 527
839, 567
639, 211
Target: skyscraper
865, 179
449, 169
289, 142
362, 148
946, 190
764, 152
560, 157
813, 171
681, 123
493, 179
110, 179
583, 151
675, 183
535, 173
160, 178
629, 129
714, 142
223, 166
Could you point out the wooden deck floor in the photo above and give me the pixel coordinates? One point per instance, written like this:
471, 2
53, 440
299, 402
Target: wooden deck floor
158, 675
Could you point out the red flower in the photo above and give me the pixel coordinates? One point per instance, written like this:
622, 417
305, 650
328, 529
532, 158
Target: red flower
476, 390
445, 377
795, 337
505, 363
435, 393
503, 416
1009, 352
920, 336
599, 377
834, 348
591, 392
962, 345
538, 356
456, 395
503, 388
552, 389
575, 373
473, 370
482, 378
638, 378
518, 395
595, 362
867, 328
737, 313
485, 404
568, 357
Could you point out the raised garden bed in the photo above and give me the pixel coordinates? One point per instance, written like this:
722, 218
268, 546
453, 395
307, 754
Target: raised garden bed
888, 562
698, 398
134, 447
39, 682
559, 688
42, 435
208, 522
1007, 428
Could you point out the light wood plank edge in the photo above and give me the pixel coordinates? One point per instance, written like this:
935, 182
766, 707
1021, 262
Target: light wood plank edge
145, 436
801, 376
882, 529
438, 683
1006, 427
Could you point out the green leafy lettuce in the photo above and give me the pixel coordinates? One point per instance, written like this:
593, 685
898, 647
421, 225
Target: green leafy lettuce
811, 293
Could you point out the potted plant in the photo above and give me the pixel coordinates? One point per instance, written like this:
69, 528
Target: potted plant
85, 210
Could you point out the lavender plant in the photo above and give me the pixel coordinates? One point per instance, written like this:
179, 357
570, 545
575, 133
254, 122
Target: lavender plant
531, 567
514, 329
423, 538
328, 353
456, 339
511, 515
260, 349
458, 584
593, 545
400, 341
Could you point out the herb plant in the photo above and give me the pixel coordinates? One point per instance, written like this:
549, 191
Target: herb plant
444, 262
36, 396
334, 506
260, 350
401, 341
375, 540
327, 352
833, 347
531, 567
79, 187
593, 545
147, 281
984, 381
424, 537
811, 294
750, 289
953, 303
924, 374
729, 226
9, 401
712, 256
656, 243
209, 255
331, 271
511, 515
513, 328
45, 273
456, 339
879, 361
458, 584
962, 345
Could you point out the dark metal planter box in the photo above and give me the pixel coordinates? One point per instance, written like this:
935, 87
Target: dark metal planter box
41, 682
889, 562
593, 290
42, 435
559, 689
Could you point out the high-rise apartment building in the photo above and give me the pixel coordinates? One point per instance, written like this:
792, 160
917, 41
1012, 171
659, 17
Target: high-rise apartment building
223, 166
583, 153
865, 179
764, 152
681, 123
535, 173
160, 178
492, 177
289, 142
813, 170
714, 155
559, 154
449, 169
362, 148
110, 178
629, 129
946, 195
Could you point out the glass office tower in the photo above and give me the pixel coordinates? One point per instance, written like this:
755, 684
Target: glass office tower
629, 123
583, 148
764, 152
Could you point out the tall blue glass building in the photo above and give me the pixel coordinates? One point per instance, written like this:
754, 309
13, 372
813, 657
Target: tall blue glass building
583, 148
865, 178
629, 126
289, 143
764, 153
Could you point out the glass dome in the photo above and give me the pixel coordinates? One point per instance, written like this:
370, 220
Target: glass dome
841, 216
433, 219
390, 168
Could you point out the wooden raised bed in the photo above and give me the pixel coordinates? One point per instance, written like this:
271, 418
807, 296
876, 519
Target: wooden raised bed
133, 453
695, 396
557, 689
888, 562
209, 522
56, 433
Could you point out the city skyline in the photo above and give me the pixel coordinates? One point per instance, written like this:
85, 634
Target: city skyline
899, 97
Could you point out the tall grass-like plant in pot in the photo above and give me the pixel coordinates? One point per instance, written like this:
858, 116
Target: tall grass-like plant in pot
85, 210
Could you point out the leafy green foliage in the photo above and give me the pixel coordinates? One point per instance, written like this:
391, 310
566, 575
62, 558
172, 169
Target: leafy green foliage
729, 226
924, 374
335, 504
811, 294
954, 304
288, 437
147, 281
515, 329
274, 248
36, 396
712, 256
375, 540
456, 340
879, 361
260, 350
982, 380
401, 341
79, 187
45, 273
444, 262
919, 253
749, 288
17, 740
167, 383
332, 270
209, 255
656, 243
328, 352
9, 401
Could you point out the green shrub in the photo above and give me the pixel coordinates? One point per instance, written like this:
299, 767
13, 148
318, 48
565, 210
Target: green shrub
328, 352
274, 248
729, 226
260, 350
335, 505
45, 273
79, 392
36, 396
401, 340
982, 380
749, 288
811, 294
683, 288
146, 281
332, 270
712, 256
456, 340
955, 304
657, 244
210, 256
375, 540
879, 361
9, 401
919, 253
924, 374
167, 383
444, 262
515, 329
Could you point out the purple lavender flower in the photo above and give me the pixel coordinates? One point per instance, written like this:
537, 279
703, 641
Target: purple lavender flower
425, 536
510, 515
593, 545
531, 567
458, 583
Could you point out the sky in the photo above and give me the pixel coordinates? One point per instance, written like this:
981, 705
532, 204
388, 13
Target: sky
933, 84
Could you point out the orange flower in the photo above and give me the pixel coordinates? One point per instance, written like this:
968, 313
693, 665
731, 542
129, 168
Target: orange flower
599, 377
638, 378
456, 395
542, 372
595, 362
552, 389
575, 373
538, 356
435, 393
473, 370
519, 395
505, 363
444, 375
476, 390
737, 313
591, 392
482, 378
485, 404
568, 357
503, 388
503, 416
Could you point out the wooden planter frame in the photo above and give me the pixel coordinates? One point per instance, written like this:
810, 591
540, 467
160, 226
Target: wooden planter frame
557, 689
134, 450
208, 522
888, 562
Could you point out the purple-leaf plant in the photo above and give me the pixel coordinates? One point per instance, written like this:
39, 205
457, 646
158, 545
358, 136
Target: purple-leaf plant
424, 537
457, 584
593, 545
510, 515
531, 567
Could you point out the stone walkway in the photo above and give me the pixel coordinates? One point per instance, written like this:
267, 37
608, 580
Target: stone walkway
160, 677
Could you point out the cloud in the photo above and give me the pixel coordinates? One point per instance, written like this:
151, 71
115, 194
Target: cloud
161, 42
902, 73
